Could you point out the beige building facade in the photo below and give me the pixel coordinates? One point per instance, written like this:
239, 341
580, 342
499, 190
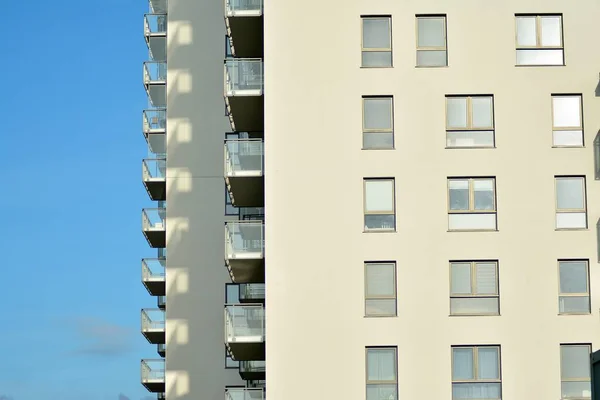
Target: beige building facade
409, 206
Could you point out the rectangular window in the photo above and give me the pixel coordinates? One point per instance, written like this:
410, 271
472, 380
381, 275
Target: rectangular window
567, 120
378, 122
470, 121
382, 374
431, 41
379, 205
574, 287
380, 289
471, 204
376, 41
476, 372
474, 288
228, 52
575, 378
571, 210
229, 361
539, 40
232, 293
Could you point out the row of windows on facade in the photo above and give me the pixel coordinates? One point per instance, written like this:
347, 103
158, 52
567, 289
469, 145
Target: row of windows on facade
472, 204
538, 40
470, 121
476, 372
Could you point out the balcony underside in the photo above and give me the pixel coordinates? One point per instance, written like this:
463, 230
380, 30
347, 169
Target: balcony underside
157, 44
247, 351
156, 288
157, 94
246, 191
253, 375
156, 238
246, 270
154, 386
246, 33
155, 336
246, 109
156, 188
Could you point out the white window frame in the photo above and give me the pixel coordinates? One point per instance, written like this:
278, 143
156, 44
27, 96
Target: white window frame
470, 128
538, 37
568, 294
474, 294
568, 128
571, 210
376, 49
431, 48
567, 380
393, 296
366, 213
383, 383
389, 131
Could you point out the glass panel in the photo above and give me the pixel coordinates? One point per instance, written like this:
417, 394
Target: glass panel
569, 194
376, 58
456, 112
482, 112
488, 363
380, 280
486, 278
470, 139
540, 57
376, 33
574, 361
462, 364
431, 58
382, 392
573, 276
459, 194
380, 307
571, 220
566, 111
476, 391
381, 364
461, 278
377, 113
526, 34
551, 31
484, 194
380, 222
232, 294
574, 304
478, 221
379, 195
431, 32
474, 305
567, 138
576, 390
378, 140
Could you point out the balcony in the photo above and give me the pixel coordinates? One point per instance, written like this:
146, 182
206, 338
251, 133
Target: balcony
154, 226
244, 172
155, 32
153, 325
154, 126
245, 251
154, 172
161, 302
244, 393
244, 93
244, 23
253, 370
155, 82
158, 6
252, 213
153, 375
245, 331
153, 275
161, 349
252, 293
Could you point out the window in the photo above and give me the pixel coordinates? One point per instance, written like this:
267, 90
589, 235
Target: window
230, 209
570, 202
539, 40
474, 288
431, 41
470, 121
378, 122
379, 209
229, 361
232, 293
476, 372
567, 120
574, 288
228, 52
382, 377
471, 204
380, 289
377, 41
575, 379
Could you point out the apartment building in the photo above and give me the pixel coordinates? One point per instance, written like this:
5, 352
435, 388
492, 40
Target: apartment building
411, 184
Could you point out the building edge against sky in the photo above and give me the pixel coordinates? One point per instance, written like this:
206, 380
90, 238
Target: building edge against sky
516, 213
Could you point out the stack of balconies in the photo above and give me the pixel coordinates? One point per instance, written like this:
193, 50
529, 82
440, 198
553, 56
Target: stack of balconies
154, 168
244, 178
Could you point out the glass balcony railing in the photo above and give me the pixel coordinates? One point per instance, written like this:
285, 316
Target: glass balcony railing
155, 24
244, 76
153, 371
241, 7
157, 6
252, 291
253, 366
244, 239
154, 169
252, 213
153, 269
155, 72
154, 120
153, 320
153, 219
244, 157
244, 323
244, 394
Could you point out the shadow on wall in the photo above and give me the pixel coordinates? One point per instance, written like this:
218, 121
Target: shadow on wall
597, 156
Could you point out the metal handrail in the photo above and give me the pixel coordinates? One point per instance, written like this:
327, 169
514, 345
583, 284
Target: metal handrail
252, 291
243, 155
147, 223
241, 320
148, 274
244, 237
242, 74
153, 374
149, 324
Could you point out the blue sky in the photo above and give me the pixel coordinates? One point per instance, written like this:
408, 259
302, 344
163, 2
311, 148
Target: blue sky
71, 242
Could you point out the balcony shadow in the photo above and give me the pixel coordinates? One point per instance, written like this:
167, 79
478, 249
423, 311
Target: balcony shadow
597, 91
597, 156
